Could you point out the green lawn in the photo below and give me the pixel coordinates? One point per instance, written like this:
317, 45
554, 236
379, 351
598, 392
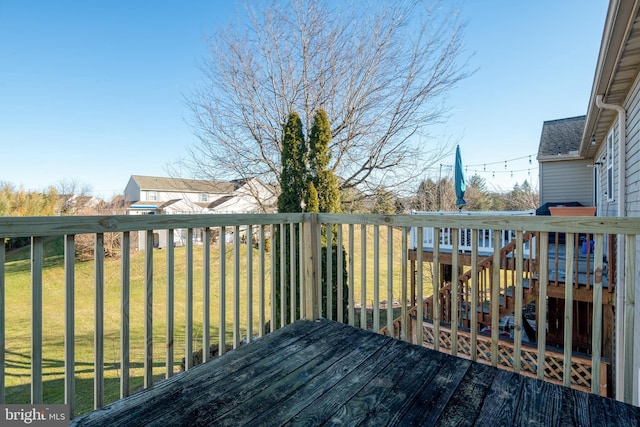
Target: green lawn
18, 313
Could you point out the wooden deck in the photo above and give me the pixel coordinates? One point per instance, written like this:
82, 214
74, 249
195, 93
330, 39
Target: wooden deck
323, 372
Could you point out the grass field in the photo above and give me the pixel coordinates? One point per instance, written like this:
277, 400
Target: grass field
18, 313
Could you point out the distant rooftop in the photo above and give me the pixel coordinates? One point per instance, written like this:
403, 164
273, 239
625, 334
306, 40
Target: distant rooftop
183, 184
561, 137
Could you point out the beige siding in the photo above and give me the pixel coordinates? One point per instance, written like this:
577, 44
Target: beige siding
566, 181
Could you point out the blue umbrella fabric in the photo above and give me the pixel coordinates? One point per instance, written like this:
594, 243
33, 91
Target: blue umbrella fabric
458, 176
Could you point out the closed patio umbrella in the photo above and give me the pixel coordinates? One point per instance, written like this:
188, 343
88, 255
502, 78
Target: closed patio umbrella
458, 177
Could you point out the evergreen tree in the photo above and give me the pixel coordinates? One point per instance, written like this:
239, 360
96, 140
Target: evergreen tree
293, 178
312, 202
293, 186
328, 200
385, 202
323, 178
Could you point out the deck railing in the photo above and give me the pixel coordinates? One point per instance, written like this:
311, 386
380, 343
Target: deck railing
485, 237
176, 301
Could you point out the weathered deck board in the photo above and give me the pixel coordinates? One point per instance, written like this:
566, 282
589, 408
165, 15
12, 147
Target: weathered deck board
327, 373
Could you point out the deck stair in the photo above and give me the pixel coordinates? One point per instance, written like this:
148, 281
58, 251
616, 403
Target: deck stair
485, 269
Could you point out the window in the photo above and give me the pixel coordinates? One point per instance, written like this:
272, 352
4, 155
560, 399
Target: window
610, 158
152, 195
204, 197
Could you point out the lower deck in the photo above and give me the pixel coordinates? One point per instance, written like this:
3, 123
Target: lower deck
323, 372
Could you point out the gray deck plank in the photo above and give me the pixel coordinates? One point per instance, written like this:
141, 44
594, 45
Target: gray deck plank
395, 383
323, 408
608, 412
249, 384
429, 403
397, 401
499, 406
462, 408
575, 409
540, 403
160, 399
306, 384
326, 373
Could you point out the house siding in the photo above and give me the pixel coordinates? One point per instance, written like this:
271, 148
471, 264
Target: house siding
632, 202
632, 160
608, 207
566, 181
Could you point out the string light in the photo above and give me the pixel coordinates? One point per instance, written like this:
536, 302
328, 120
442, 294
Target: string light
528, 156
481, 169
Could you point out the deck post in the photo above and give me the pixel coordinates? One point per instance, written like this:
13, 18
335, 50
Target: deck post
310, 239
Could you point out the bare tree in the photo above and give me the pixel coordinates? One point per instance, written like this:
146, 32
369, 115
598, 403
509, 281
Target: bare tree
379, 69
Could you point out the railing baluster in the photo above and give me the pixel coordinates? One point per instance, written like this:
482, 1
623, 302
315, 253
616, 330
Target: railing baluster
390, 279
329, 272
302, 266
363, 276
419, 339
236, 286
340, 276
261, 281
351, 274
596, 334
541, 316
293, 276
317, 228
405, 261
495, 299
629, 313
98, 251
170, 335
249, 246
376, 277
473, 308
3, 313
435, 280
188, 327
206, 294
455, 272
274, 279
36, 318
518, 292
69, 319
283, 277
148, 310
568, 309
222, 297
125, 287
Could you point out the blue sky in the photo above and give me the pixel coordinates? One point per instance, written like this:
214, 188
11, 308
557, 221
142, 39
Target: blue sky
93, 91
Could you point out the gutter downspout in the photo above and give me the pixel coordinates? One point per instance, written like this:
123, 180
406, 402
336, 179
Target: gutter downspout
620, 294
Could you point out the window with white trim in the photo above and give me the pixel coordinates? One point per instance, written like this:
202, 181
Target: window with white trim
152, 196
610, 158
204, 197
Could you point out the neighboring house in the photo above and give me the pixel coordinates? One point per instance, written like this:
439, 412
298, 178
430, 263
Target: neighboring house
150, 195
610, 141
565, 176
70, 204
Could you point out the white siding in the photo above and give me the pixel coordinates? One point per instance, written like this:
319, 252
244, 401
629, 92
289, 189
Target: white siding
566, 181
